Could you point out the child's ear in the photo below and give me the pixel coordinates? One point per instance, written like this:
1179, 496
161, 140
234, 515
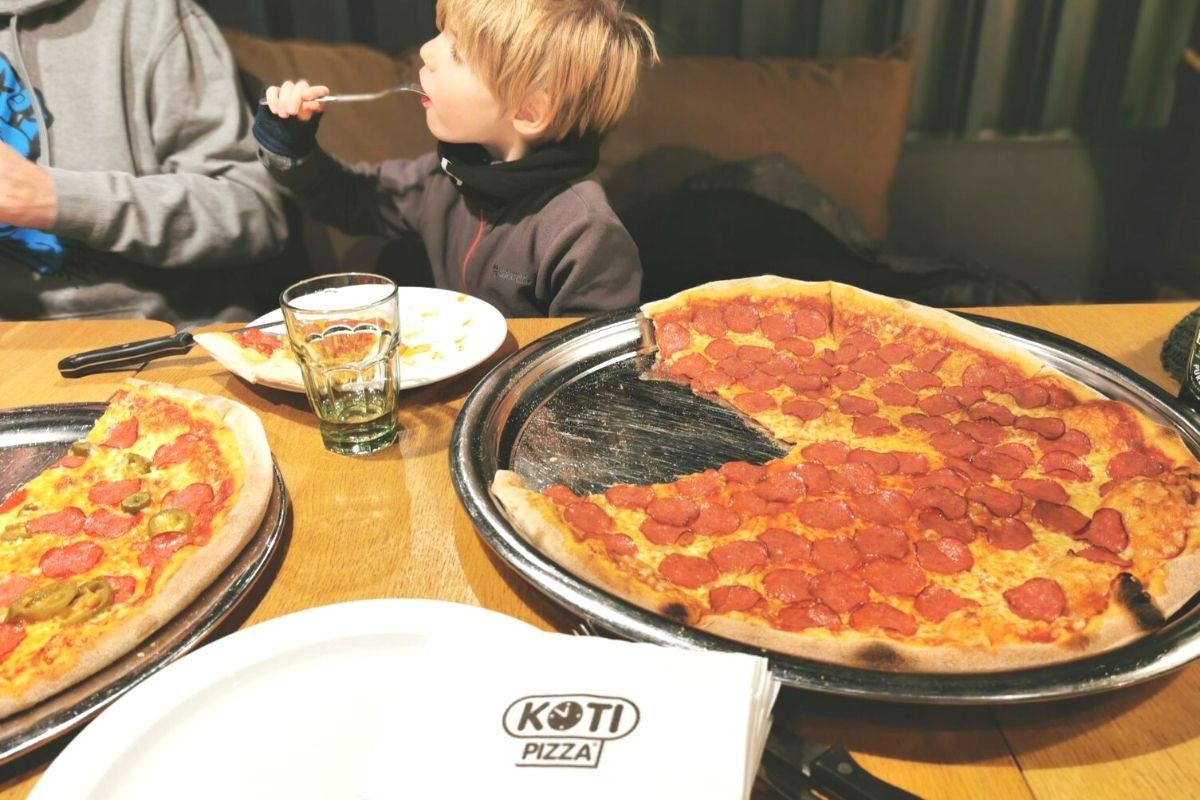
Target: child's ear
533, 117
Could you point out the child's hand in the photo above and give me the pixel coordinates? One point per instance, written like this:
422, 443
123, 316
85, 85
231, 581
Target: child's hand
295, 99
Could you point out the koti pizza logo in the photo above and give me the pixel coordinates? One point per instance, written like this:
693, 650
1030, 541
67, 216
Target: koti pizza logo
568, 730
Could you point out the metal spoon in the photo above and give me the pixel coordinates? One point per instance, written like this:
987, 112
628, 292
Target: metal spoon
354, 98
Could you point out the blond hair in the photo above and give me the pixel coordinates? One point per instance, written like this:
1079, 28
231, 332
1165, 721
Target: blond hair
586, 55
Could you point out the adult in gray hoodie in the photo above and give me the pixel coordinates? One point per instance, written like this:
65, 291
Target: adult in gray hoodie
129, 183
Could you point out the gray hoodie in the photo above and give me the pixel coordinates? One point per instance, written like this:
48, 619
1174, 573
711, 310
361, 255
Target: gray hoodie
162, 205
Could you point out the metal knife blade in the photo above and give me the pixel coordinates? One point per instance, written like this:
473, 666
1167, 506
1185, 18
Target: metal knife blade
830, 769
130, 354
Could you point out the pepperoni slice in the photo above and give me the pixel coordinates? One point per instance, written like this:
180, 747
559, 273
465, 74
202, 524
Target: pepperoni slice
911, 463
678, 511
760, 381
738, 557
105, 524
699, 486
787, 585
13, 500
881, 463
1037, 599
881, 541
689, 366
816, 366
835, 555
714, 520
847, 381
930, 360
191, 498
810, 385
778, 366
1101, 556
894, 352
840, 591
843, 355
935, 603
961, 529
806, 410
981, 376
946, 478
1029, 395
742, 472
996, 463
968, 470
939, 404
724, 599
777, 326
122, 435
671, 338
895, 578
67, 522
1010, 534
736, 368
998, 501
856, 478
755, 354
741, 317
985, 432
800, 347
660, 534
749, 504
882, 616
710, 321
945, 556
111, 493
1132, 464
896, 395
589, 518
63, 562
11, 637
870, 365
1046, 427
1066, 466
1041, 489
824, 514
1060, 518
950, 504
782, 487
872, 426
719, 349
883, 508
808, 615
916, 380
1017, 451
862, 340
157, 550
784, 545
710, 380
927, 424
625, 496
954, 443
1074, 441
176, 452
809, 323
1106, 530
123, 587
689, 572
831, 454
965, 395
853, 404
985, 410
560, 494
754, 402
815, 476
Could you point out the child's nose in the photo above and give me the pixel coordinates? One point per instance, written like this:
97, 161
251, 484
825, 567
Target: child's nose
426, 53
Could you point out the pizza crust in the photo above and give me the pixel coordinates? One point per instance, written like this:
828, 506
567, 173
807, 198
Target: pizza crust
197, 572
273, 372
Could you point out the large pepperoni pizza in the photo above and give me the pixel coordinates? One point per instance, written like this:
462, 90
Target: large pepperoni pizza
115, 538
949, 502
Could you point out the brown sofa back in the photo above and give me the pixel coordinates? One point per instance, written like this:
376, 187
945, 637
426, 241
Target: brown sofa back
841, 120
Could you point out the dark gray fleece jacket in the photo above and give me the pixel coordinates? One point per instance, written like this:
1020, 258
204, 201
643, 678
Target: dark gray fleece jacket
162, 206
560, 252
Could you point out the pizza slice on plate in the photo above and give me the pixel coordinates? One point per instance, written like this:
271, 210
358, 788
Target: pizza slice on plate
949, 504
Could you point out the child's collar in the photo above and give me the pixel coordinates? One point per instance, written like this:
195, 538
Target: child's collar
496, 184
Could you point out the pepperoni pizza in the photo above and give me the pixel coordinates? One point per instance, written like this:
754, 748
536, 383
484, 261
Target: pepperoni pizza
949, 502
114, 539
254, 356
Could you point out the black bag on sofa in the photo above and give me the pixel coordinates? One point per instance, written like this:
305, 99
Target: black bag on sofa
763, 216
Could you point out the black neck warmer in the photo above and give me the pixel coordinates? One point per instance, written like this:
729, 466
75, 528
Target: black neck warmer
496, 185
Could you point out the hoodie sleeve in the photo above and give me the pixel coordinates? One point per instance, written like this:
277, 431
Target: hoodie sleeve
210, 202
595, 267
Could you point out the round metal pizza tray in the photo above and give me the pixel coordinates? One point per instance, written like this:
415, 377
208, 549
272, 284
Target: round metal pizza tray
32, 439
570, 408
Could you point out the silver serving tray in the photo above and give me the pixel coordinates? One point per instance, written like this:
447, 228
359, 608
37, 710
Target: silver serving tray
570, 408
32, 439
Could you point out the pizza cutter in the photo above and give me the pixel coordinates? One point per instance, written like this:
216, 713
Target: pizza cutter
131, 354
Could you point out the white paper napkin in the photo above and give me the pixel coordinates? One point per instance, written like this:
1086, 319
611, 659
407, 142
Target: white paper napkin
557, 716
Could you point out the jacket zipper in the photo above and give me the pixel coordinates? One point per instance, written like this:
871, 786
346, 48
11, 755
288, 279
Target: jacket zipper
471, 252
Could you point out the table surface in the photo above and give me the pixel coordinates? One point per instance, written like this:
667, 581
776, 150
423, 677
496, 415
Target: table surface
397, 530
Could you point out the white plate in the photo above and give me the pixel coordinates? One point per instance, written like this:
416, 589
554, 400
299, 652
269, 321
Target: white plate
285, 708
446, 333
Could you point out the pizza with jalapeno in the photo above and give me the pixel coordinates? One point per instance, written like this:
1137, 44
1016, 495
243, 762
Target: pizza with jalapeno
120, 534
949, 502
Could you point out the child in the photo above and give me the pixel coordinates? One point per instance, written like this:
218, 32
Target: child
519, 94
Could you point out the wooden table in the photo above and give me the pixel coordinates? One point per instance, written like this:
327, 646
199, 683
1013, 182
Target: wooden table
389, 525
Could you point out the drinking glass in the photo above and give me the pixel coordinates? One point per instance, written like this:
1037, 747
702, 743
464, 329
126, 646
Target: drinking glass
344, 329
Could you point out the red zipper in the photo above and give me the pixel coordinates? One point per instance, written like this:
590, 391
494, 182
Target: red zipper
471, 252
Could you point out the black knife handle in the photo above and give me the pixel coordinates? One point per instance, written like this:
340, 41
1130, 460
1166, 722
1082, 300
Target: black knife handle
835, 773
120, 356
